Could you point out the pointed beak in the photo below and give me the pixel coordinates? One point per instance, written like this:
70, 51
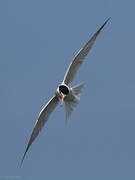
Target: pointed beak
62, 99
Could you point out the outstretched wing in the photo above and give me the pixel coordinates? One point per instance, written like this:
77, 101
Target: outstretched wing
42, 119
79, 58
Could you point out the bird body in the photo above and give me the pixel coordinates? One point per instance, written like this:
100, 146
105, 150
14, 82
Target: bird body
69, 95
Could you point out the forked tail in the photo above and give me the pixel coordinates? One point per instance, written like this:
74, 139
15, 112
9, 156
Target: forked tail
77, 90
73, 99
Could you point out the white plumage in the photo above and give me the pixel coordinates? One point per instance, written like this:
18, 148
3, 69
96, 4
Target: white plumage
71, 96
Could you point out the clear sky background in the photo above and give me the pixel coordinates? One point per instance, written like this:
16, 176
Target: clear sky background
38, 39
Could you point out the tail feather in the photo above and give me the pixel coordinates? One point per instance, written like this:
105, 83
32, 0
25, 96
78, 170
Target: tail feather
73, 99
78, 89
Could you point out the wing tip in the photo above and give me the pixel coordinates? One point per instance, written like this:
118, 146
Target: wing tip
107, 21
24, 155
23, 159
104, 24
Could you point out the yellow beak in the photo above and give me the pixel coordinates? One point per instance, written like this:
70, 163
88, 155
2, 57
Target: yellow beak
62, 99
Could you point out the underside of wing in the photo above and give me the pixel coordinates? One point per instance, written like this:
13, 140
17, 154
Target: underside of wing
42, 119
79, 58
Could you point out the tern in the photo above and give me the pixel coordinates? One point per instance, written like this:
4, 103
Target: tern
64, 93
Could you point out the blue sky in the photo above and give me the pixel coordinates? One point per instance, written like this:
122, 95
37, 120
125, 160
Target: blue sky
38, 39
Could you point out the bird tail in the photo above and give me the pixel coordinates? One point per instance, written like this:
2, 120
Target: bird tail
73, 99
76, 90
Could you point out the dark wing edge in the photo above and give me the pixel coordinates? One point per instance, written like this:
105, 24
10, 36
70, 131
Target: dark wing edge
42, 119
79, 58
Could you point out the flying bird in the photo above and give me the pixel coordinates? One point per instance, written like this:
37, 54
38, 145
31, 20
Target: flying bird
64, 93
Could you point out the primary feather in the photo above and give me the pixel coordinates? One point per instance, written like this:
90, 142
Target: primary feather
79, 58
42, 119
72, 95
